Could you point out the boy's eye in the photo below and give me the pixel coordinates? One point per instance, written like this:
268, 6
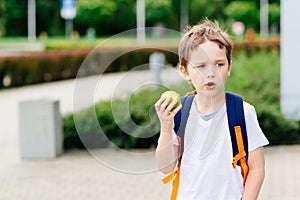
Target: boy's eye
220, 64
200, 66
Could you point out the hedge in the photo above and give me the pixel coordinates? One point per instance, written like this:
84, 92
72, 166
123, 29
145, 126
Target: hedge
39, 67
31, 68
256, 77
141, 104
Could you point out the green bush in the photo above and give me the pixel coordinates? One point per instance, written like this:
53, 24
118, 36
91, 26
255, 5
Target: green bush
255, 76
40, 67
59, 65
138, 121
56, 65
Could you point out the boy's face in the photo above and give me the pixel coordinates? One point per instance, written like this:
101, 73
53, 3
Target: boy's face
208, 69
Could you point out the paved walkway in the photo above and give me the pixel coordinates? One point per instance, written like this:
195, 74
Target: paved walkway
101, 174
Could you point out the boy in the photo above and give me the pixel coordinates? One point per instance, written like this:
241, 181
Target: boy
206, 165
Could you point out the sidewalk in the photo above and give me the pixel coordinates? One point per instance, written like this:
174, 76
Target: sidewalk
78, 174
91, 89
74, 174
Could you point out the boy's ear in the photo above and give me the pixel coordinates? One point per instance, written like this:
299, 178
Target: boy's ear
184, 72
229, 68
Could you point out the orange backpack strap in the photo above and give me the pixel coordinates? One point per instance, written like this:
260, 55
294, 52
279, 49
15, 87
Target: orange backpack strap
175, 174
175, 186
238, 132
241, 156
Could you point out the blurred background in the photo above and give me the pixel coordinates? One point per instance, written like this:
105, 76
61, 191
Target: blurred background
44, 45
44, 41
112, 17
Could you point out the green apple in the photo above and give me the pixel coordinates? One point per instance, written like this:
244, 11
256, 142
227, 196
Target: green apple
174, 95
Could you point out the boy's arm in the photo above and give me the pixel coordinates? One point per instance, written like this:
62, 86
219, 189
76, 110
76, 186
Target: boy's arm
166, 153
256, 164
166, 150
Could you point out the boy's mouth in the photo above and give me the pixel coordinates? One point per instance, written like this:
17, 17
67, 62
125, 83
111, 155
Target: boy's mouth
210, 85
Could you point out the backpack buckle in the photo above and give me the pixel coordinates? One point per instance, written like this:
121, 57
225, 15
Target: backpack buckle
237, 157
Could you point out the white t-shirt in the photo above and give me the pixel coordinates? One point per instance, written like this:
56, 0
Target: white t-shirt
206, 169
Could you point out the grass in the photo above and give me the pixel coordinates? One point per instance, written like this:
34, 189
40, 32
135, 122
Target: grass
59, 43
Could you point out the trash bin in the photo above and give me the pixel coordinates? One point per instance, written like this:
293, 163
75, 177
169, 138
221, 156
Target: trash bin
41, 134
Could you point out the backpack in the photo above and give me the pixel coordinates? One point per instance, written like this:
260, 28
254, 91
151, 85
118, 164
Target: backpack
238, 133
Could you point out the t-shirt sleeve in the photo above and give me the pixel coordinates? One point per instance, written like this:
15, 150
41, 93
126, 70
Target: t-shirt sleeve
256, 137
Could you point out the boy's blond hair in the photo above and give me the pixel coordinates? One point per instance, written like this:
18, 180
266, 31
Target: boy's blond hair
207, 30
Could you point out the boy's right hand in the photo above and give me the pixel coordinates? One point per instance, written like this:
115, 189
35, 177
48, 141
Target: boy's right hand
165, 113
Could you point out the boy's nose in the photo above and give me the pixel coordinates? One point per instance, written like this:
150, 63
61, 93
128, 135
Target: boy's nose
210, 73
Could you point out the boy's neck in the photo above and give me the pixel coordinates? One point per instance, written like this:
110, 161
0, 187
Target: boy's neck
210, 104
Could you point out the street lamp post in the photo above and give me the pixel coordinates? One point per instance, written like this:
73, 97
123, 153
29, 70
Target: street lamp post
264, 19
31, 21
140, 19
68, 12
184, 14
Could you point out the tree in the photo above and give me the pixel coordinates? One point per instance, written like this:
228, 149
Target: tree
274, 15
96, 14
111, 17
16, 17
200, 9
243, 11
158, 11
53, 25
124, 16
2, 17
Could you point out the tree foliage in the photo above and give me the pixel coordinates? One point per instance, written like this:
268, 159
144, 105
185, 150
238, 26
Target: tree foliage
243, 11
158, 11
95, 14
53, 25
274, 14
111, 17
15, 17
2, 17
200, 9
